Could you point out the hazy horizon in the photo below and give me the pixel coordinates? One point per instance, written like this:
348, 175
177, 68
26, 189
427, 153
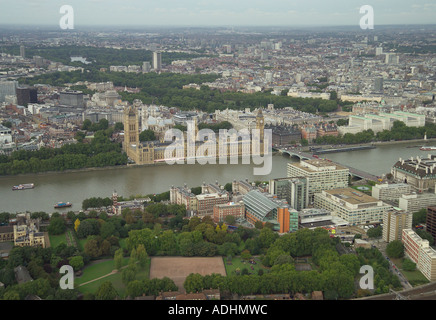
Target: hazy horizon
223, 13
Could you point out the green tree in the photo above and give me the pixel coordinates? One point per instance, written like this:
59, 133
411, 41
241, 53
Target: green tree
107, 230
106, 291
193, 283
142, 256
11, 295
425, 235
246, 255
147, 135
87, 228
128, 274
86, 124
92, 249
376, 232
395, 249
419, 217
135, 288
118, 259
76, 262
57, 226
409, 265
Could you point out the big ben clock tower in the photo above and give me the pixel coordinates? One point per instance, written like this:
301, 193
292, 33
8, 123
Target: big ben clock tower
260, 125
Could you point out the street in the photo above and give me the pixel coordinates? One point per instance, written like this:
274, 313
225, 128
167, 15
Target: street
381, 246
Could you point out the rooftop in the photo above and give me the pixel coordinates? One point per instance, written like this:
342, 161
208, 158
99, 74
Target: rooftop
316, 165
351, 196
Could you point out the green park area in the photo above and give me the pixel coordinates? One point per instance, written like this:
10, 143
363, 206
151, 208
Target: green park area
365, 188
100, 271
56, 240
237, 263
414, 277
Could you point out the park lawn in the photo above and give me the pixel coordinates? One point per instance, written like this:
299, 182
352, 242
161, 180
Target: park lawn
237, 262
115, 279
57, 240
414, 277
97, 270
364, 191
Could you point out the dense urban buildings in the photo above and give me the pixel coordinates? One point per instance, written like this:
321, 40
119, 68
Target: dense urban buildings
413, 202
68, 97
390, 192
321, 175
351, 205
294, 190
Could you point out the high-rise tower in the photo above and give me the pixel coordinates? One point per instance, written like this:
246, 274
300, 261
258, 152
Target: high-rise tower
157, 60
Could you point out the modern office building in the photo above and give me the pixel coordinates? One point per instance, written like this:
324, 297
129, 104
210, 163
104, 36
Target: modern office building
351, 205
312, 218
7, 88
26, 95
22, 51
157, 60
262, 207
378, 51
418, 172
321, 175
430, 223
413, 202
71, 99
294, 190
420, 252
390, 192
394, 221
146, 67
392, 58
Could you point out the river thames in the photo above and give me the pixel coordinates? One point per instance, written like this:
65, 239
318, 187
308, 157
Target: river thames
77, 186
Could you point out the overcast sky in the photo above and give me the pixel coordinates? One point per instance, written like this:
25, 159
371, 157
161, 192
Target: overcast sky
217, 12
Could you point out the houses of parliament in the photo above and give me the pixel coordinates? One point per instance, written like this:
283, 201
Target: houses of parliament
152, 152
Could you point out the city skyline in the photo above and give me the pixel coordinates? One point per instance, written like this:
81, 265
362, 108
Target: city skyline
208, 13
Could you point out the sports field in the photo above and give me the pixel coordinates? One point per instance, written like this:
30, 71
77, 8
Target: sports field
178, 268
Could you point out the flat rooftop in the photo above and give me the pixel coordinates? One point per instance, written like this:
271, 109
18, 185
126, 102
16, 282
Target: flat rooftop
317, 164
351, 196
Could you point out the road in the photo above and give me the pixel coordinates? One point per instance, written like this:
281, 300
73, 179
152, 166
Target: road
380, 244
